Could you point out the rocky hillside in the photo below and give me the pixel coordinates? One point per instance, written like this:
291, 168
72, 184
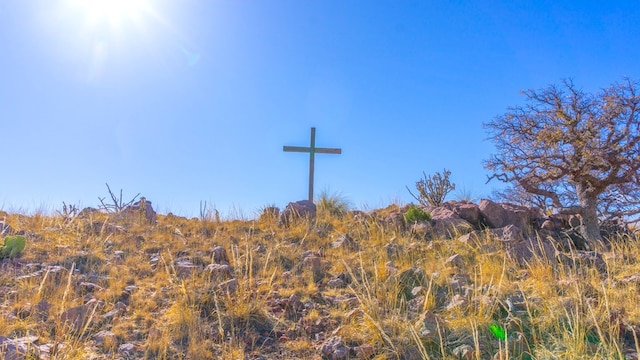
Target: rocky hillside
468, 281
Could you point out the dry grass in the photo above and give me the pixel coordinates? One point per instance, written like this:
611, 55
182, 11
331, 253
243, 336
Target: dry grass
166, 312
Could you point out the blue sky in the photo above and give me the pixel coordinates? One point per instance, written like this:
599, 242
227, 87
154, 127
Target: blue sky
188, 101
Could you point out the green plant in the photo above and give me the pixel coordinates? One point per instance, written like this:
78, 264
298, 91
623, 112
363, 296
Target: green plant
415, 214
432, 190
13, 246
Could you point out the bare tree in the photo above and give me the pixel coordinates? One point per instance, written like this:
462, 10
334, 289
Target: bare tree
517, 195
590, 142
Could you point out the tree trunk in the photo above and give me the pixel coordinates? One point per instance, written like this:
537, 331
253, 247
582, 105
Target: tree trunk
589, 229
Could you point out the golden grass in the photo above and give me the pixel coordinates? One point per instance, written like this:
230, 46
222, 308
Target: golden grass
170, 313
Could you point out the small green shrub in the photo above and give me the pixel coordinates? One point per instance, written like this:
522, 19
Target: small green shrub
13, 246
415, 214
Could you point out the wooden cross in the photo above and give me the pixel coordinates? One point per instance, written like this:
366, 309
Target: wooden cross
312, 150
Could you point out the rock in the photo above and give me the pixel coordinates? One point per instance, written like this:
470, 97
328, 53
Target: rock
427, 327
524, 215
90, 287
336, 283
508, 234
364, 351
549, 225
500, 215
141, 208
127, 349
42, 310
416, 304
390, 268
345, 241
456, 302
447, 224
473, 238
455, 260
295, 211
631, 279
529, 250
393, 250
5, 229
494, 215
11, 349
184, 267
313, 263
229, 286
422, 230
417, 291
78, 317
468, 212
105, 339
101, 227
118, 255
219, 271
334, 349
87, 212
464, 352
409, 279
220, 255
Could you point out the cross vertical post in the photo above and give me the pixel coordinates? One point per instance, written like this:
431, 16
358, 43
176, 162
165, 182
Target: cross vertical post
312, 150
312, 157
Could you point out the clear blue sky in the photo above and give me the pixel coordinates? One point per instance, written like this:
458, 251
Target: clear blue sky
189, 100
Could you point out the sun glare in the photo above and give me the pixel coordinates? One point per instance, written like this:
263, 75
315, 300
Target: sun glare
113, 12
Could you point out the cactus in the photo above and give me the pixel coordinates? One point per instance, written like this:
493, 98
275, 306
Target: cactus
13, 246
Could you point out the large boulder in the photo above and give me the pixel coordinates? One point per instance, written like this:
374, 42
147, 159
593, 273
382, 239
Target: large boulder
469, 212
494, 215
447, 224
294, 211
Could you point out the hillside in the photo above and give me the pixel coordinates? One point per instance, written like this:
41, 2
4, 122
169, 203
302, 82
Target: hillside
341, 285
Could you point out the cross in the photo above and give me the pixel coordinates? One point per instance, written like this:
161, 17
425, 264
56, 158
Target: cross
312, 150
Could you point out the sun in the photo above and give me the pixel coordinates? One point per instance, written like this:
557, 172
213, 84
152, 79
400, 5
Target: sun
111, 12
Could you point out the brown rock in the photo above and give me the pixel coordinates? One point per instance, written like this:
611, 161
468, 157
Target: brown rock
219, 271
78, 317
345, 241
229, 286
428, 327
455, 260
494, 215
422, 229
468, 212
295, 211
447, 224
334, 349
220, 255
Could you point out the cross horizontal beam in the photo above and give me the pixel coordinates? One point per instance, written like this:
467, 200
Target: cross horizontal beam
316, 150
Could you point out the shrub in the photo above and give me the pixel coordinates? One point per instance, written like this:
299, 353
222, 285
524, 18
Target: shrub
432, 190
335, 204
13, 246
415, 214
